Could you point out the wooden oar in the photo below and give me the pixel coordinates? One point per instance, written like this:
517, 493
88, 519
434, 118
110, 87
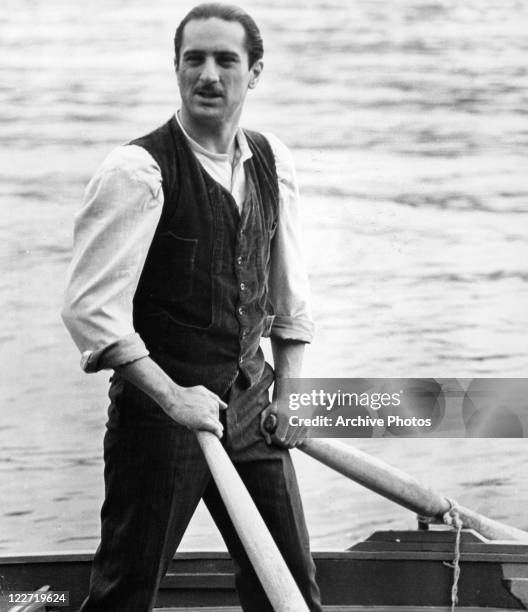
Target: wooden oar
283, 593
398, 486
402, 488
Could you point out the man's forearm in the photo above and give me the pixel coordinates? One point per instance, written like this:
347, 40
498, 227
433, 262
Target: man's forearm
287, 360
145, 374
287, 357
196, 408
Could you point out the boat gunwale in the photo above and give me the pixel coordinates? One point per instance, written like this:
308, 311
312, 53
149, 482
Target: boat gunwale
387, 555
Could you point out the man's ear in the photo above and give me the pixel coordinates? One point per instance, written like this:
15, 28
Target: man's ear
256, 71
176, 71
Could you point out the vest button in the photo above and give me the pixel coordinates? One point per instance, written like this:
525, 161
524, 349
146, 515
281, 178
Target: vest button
241, 360
239, 260
241, 311
243, 286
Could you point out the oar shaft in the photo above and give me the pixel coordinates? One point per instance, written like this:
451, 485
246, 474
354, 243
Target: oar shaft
493, 530
400, 487
283, 593
377, 475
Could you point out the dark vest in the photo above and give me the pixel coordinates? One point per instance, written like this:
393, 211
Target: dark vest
201, 305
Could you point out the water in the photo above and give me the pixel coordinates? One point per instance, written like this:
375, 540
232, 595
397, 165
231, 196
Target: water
408, 124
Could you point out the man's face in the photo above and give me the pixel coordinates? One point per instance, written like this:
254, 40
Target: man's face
213, 71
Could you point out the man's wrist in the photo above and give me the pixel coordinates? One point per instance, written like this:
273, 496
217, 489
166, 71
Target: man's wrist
171, 398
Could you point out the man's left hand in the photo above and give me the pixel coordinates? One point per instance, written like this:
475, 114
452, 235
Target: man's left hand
284, 435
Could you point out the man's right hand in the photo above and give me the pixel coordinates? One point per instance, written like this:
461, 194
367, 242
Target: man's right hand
198, 409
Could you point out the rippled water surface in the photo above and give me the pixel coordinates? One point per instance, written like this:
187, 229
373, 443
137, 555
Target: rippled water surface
408, 123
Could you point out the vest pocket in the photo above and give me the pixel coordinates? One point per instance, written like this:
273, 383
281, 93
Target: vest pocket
170, 280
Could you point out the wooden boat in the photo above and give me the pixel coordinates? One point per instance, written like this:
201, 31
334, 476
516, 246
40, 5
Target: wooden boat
391, 571
397, 571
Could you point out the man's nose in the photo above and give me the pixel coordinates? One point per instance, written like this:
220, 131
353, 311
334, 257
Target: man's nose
209, 73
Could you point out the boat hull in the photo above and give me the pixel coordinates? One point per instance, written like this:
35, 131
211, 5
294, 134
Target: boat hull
395, 570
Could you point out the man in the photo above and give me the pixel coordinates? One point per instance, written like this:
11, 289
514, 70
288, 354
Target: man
188, 238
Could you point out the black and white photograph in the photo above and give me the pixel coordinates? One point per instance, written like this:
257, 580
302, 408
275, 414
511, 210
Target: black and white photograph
219, 220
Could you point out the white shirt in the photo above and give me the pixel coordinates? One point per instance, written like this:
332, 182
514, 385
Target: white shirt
115, 227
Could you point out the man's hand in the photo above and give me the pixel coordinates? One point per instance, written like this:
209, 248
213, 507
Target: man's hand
282, 433
287, 359
198, 409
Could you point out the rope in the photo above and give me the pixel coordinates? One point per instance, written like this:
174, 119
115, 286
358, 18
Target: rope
452, 518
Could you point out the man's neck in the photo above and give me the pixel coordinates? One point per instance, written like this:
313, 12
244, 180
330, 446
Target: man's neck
216, 138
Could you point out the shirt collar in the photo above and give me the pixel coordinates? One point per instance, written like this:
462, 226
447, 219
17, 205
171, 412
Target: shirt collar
241, 141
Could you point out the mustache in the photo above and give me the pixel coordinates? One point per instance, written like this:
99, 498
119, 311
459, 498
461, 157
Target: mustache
211, 90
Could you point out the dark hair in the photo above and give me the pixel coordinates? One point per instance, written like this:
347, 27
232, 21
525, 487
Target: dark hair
227, 12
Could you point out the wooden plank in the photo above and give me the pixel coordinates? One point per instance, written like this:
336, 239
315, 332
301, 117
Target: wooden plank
47, 557
199, 580
350, 609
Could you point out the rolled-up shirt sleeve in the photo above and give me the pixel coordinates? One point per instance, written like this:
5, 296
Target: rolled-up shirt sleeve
112, 235
289, 289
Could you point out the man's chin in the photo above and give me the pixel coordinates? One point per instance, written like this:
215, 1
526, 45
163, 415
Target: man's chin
206, 112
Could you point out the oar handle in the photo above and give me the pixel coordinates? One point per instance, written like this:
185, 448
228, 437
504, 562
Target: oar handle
270, 423
283, 593
396, 485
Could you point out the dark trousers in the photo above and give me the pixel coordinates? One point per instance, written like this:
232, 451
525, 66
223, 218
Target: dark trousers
155, 475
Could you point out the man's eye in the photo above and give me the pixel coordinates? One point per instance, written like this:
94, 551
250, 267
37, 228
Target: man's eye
226, 61
193, 59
